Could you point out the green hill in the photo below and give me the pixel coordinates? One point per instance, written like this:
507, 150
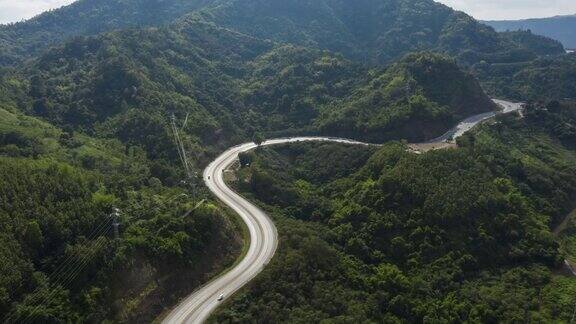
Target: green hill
231, 85
366, 30
417, 99
551, 78
27, 39
59, 261
538, 44
387, 236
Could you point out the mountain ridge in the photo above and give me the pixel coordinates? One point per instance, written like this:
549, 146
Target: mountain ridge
560, 27
367, 30
84, 18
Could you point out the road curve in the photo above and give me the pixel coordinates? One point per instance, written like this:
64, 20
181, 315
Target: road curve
470, 122
197, 307
263, 237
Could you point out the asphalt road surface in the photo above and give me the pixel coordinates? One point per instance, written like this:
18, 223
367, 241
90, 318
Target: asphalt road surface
197, 307
470, 122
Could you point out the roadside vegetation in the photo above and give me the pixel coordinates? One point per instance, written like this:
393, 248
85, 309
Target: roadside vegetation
87, 93
59, 261
451, 235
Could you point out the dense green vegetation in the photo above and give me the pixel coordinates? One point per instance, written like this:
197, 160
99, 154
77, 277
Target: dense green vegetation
59, 261
288, 87
535, 43
85, 17
417, 98
381, 32
125, 84
369, 31
447, 236
544, 78
86, 97
103, 139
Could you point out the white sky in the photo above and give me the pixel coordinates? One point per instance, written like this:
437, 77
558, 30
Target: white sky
16, 10
513, 9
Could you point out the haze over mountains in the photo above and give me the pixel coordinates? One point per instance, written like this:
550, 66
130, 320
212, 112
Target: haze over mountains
562, 28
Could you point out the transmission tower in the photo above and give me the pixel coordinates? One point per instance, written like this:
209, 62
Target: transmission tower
116, 223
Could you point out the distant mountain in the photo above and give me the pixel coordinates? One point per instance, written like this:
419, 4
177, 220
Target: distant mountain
87, 17
562, 28
230, 84
374, 31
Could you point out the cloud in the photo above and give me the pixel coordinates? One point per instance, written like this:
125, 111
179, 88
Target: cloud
513, 9
17, 10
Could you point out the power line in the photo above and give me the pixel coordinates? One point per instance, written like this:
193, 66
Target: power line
55, 275
67, 270
185, 121
72, 275
178, 146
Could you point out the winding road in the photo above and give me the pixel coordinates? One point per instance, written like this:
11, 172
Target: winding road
197, 307
469, 123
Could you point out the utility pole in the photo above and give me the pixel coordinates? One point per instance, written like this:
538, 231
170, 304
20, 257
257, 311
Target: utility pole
115, 222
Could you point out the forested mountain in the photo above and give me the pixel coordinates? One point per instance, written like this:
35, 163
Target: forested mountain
87, 93
59, 261
560, 28
384, 235
367, 30
423, 94
232, 85
381, 32
86, 17
134, 80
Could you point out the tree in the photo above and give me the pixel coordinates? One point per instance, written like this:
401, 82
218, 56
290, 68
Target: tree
258, 139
